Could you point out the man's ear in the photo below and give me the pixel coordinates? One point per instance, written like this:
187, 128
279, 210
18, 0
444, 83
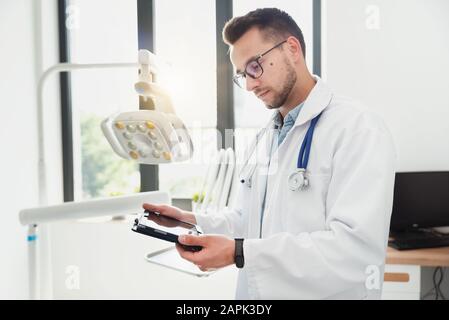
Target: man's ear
294, 48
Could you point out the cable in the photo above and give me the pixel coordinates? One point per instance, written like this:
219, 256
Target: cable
440, 269
442, 276
436, 290
437, 285
430, 292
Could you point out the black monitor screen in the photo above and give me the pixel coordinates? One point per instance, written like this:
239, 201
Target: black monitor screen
421, 200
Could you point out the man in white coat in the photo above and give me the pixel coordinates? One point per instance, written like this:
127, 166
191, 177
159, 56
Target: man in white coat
326, 241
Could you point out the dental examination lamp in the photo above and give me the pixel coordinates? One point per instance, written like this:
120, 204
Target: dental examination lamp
152, 135
149, 136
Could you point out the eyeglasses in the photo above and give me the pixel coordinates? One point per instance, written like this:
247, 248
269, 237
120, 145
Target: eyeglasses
253, 68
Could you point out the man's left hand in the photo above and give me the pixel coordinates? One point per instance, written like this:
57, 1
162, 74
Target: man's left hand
218, 251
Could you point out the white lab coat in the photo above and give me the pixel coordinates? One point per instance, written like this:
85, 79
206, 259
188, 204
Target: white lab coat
329, 241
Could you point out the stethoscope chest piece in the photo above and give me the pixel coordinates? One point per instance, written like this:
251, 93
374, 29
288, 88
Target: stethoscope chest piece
298, 180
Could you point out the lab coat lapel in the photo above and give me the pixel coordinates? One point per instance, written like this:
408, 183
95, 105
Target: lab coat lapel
318, 99
264, 153
263, 165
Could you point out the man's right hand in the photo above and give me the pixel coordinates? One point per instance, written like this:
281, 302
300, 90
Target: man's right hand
172, 212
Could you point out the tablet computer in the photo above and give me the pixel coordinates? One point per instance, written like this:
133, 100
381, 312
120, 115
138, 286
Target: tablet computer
156, 225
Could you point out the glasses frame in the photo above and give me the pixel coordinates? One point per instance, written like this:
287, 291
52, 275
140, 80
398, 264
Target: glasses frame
256, 59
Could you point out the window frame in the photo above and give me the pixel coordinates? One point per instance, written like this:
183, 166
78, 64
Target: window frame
225, 89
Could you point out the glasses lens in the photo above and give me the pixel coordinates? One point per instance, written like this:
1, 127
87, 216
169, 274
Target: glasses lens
253, 69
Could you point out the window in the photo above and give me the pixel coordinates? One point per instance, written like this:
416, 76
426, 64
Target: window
101, 31
185, 38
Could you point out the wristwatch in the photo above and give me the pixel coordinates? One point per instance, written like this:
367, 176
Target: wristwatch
238, 255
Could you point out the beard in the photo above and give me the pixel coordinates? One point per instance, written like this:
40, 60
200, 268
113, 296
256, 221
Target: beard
287, 86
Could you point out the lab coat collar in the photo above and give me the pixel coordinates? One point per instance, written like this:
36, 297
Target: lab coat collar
319, 98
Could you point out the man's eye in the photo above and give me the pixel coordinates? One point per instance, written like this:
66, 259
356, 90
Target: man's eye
252, 68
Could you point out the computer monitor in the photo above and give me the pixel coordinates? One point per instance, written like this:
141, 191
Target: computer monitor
421, 200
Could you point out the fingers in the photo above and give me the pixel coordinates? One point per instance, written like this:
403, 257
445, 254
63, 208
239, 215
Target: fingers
163, 209
188, 255
153, 207
192, 240
191, 256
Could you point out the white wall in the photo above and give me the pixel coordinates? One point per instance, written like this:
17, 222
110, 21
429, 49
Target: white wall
19, 67
393, 56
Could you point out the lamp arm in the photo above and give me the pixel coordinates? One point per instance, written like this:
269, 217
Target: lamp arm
60, 67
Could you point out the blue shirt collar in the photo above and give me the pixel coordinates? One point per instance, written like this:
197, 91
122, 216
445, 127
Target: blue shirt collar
291, 116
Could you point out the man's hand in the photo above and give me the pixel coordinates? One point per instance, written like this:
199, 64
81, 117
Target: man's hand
172, 212
218, 251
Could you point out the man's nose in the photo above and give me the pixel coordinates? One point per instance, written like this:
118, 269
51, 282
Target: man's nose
251, 83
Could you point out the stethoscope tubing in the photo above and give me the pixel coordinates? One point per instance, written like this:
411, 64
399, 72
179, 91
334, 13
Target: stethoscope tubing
303, 156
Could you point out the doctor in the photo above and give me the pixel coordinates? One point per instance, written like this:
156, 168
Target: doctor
312, 218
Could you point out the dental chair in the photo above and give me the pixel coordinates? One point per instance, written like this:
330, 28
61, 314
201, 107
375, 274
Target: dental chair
219, 183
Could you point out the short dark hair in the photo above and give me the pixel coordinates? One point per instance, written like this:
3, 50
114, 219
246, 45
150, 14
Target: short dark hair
274, 23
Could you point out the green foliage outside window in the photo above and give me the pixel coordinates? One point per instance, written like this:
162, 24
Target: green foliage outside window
103, 172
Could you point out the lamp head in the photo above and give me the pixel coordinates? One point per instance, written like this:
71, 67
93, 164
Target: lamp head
149, 136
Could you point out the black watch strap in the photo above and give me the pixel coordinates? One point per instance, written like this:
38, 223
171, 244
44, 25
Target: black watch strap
238, 255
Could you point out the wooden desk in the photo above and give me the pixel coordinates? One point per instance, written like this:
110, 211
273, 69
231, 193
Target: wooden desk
431, 257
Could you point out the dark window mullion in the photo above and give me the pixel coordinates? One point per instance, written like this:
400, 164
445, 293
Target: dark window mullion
225, 93
66, 105
149, 174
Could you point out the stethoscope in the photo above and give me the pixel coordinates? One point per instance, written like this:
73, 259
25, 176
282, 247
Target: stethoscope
298, 179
